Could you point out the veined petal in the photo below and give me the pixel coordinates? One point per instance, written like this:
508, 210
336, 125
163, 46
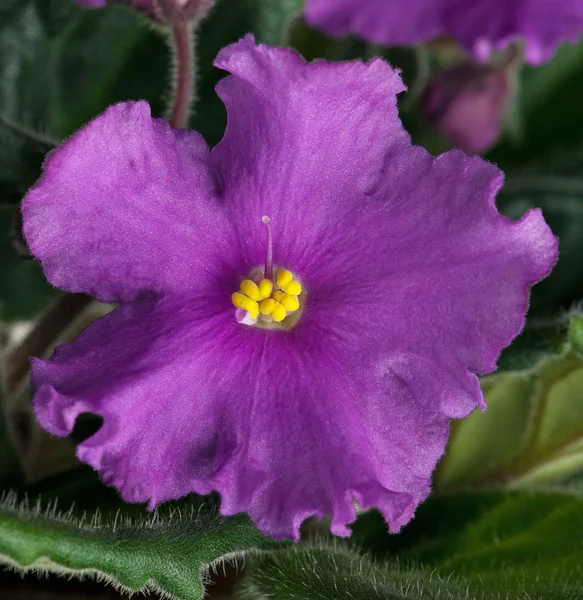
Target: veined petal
193, 401
125, 207
438, 274
301, 139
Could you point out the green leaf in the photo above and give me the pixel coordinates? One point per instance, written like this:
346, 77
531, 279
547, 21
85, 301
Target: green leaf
532, 431
539, 339
332, 571
21, 155
169, 551
512, 544
576, 334
60, 64
23, 289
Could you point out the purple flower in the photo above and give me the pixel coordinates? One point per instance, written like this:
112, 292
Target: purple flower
408, 282
467, 104
478, 25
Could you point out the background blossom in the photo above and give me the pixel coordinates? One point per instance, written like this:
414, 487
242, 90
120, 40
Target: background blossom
480, 26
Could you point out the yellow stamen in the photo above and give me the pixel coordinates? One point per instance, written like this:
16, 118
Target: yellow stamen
283, 278
278, 295
290, 303
253, 309
268, 302
240, 300
245, 303
293, 288
266, 307
265, 288
278, 314
249, 288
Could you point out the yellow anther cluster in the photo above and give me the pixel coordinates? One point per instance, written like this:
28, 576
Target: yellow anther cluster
273, 302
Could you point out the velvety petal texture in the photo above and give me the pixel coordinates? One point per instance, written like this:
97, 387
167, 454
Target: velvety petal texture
413, 284
123, 208
479, 25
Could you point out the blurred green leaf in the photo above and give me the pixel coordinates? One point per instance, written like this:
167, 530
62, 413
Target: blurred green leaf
332, 571
492, 545
510, 544
169, 551
61, 65
576, 334
550, 111
23, 289
532, 431
21, 155
539, 339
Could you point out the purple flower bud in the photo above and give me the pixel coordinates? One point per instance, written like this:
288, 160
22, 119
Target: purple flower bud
467, 104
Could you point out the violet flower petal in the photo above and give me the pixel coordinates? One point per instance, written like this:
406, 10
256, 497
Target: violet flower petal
385, 237
283, 425
124, 208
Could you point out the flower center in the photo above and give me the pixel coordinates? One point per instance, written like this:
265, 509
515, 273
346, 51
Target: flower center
268, 301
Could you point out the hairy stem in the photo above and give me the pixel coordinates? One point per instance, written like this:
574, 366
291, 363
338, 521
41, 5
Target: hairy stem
183, 92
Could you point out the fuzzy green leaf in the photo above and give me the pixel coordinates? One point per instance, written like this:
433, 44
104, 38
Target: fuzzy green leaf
61, 64
169, 551
550, 113
532, 431
509, 544
333, 572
